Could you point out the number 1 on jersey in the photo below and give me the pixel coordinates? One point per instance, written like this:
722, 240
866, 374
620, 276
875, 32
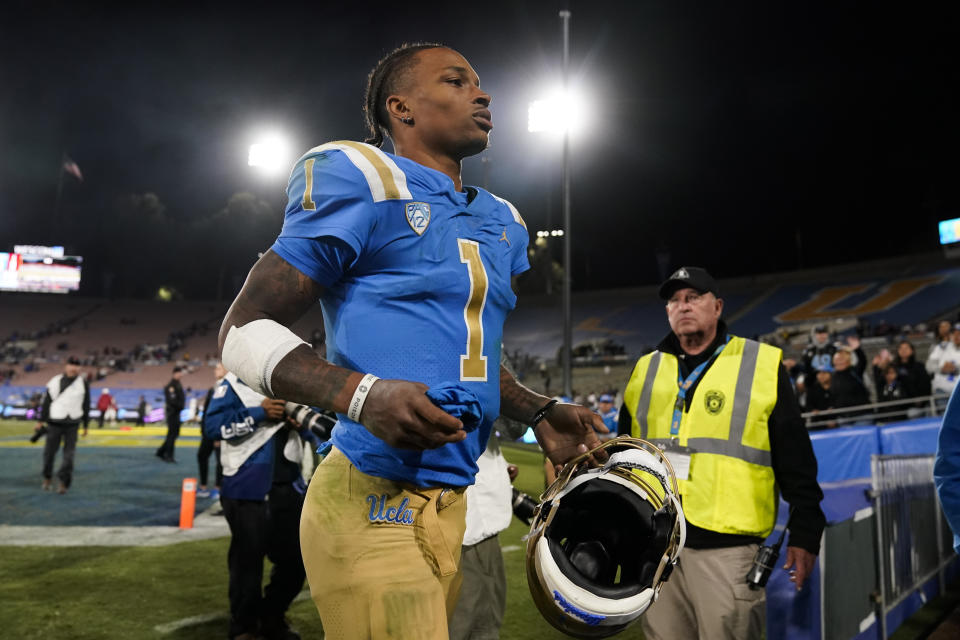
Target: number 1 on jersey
308, 203
473, 364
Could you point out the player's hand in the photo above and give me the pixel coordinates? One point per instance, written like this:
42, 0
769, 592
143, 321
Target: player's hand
802, 561
513, 471
568, 431
273, 407
400, 413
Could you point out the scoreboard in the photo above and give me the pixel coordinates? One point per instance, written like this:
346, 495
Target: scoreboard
39, 269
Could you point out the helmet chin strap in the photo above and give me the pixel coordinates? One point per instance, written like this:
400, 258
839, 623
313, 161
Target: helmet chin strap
673, 550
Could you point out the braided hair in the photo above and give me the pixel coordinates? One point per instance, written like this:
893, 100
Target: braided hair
386, 78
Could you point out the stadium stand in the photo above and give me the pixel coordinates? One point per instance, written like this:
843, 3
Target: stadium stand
881, 302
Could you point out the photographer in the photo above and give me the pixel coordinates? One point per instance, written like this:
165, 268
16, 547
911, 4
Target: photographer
262, 495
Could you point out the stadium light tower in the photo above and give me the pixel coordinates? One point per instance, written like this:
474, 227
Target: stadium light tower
562, 113
270, 154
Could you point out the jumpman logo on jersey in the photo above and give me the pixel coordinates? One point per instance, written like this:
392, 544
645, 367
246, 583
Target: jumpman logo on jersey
504, 238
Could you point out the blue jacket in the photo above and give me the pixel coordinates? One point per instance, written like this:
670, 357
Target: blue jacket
946, 470
248, 451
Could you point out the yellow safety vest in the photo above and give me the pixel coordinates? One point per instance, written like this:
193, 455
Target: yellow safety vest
731, 487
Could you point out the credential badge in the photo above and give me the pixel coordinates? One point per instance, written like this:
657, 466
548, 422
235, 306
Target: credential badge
418, 216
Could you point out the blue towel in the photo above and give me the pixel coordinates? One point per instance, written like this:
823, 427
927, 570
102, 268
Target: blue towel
459, 402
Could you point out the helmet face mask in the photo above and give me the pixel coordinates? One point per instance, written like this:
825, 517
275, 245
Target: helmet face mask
604, 539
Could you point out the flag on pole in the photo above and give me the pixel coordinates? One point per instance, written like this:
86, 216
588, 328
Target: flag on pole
72, 168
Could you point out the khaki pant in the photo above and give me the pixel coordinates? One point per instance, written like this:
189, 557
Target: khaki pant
708, 598
483, 595
382, 558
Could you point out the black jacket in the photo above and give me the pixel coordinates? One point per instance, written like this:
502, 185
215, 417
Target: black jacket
173, 395
794, 464
848, 390
913, 377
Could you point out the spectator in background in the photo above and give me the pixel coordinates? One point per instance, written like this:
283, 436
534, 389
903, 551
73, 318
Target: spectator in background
820, 395
944, 363
141, 411
941, 342
609, 414
103, 403
890, 390
794, 368
174, 400
881, 361
912, 375
847, 388
65, 405
942, 336
818, 354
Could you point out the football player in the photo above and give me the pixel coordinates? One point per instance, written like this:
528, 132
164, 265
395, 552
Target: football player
414, 274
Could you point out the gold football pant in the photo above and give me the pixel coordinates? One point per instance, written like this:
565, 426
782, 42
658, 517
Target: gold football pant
382, 557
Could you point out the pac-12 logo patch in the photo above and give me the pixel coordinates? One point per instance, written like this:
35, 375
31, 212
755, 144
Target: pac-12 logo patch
714, 402
418, 216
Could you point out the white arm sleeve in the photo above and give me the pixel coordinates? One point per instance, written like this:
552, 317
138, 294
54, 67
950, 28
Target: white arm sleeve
253, 350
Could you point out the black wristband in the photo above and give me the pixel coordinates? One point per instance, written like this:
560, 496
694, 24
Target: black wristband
542, 413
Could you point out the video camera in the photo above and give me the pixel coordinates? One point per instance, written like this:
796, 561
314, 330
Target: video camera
320, 423
523, 506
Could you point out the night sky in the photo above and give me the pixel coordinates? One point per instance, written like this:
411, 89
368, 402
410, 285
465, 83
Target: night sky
745, 137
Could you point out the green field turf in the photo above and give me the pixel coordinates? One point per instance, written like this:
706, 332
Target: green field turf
103, 593
127, 592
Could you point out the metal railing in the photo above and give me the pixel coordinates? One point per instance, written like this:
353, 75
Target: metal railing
909, 550
906, 409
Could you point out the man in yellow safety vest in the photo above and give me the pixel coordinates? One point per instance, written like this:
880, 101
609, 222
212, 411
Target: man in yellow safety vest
724, 411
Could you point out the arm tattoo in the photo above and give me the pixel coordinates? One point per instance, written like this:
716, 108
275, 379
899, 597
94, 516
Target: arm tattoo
303, 376
516, 401
277, 291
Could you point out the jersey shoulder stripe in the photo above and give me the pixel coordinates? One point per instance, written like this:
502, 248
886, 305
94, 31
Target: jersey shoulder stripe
513, 210
384, 178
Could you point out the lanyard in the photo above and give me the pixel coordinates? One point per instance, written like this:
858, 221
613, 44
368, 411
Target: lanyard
685, 385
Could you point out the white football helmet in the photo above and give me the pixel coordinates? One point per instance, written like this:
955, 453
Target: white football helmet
604, 539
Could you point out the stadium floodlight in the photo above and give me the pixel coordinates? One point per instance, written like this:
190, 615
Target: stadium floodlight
271, 155
559, 112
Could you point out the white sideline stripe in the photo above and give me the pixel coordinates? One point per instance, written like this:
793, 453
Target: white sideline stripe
205, 526
176, 625
511, 547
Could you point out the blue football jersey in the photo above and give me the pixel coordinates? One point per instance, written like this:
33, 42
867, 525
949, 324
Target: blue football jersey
417, 287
